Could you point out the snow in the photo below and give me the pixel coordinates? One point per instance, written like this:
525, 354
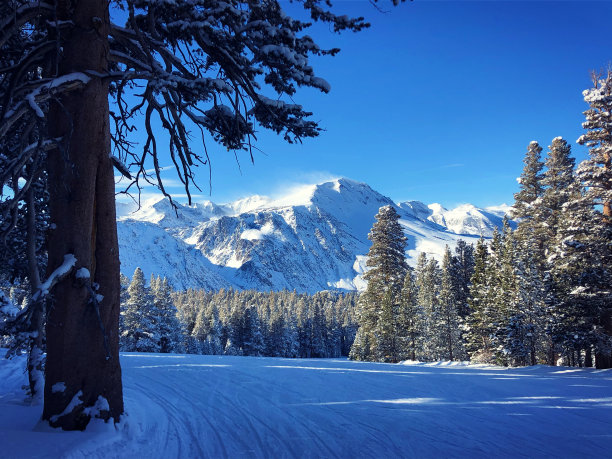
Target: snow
60, 271
257, 234
82, 273
100, 405
7, 308
76, 401
309, 238
54, 83
58, 387
183, 406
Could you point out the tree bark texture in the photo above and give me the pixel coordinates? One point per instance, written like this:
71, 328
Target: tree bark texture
82, 208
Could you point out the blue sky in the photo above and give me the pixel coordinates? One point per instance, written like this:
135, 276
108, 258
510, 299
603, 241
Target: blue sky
436, 102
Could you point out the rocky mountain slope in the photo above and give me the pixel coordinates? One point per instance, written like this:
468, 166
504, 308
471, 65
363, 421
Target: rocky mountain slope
314, 238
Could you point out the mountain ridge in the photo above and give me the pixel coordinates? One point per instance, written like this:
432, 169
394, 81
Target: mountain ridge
313, 238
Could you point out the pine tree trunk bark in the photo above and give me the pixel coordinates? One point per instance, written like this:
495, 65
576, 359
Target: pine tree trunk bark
35, 355
588, 358
82, 210
604, 360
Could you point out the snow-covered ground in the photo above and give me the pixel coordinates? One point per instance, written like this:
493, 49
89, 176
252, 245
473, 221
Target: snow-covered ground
242, 407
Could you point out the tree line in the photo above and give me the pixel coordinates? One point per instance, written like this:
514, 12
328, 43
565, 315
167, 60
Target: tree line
231, 322
537, 294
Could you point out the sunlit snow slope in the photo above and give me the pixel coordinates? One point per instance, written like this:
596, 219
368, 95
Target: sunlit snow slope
313, 238
245, 407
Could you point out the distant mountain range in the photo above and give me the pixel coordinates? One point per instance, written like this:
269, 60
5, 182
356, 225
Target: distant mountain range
314, 238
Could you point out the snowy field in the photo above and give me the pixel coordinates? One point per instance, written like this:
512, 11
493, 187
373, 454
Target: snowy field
243, 407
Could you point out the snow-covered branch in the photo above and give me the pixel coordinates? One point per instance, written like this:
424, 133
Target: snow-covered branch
56, 276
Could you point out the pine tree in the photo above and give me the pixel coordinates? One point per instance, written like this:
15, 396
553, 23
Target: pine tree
138, 333
559, 181
411, 320
530, 183
252, 337
527, 207
595, 174
561, 187
479, 330
449, 326
462, 271
167, 326
504, 283
428, 285
386, 329
387, 263
525, 336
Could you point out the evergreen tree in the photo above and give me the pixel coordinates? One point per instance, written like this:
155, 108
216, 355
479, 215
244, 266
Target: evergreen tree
165, 321
530, 182
462, 271
479, 330
504, 283
561, 187
595, 174
387, 263
386, 329
525, 332
559, 183
138, 333
411, 321
252, 337
428, 285
449, 326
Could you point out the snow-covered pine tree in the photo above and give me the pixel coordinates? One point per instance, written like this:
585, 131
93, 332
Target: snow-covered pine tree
318, 332
333, 339
411, 321
526, 340
479, 322
583, 262
167, 326
578, 271
252, 337
387, 348
505, 284
560, 186
428, 284
463, 269
527, 207
139, 331
276, 333
558, 182
530, 183
449, 325
387, 263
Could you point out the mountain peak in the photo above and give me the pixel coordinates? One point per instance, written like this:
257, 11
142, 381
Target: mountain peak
313, 237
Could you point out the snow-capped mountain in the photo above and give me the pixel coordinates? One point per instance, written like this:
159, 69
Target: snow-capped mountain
314, 238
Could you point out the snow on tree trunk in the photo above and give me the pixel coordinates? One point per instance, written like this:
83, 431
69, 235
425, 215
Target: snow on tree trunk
82, 208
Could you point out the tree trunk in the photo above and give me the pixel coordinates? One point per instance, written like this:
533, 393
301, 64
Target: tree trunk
603, 359
82, 208
588, 357
35, 355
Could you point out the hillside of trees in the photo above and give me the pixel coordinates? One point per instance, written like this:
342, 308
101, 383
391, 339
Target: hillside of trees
231, 322
539, 294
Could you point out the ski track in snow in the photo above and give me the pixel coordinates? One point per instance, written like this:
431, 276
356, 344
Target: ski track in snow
186, 406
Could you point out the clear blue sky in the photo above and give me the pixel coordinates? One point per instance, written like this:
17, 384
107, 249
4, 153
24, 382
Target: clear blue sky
437, 101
